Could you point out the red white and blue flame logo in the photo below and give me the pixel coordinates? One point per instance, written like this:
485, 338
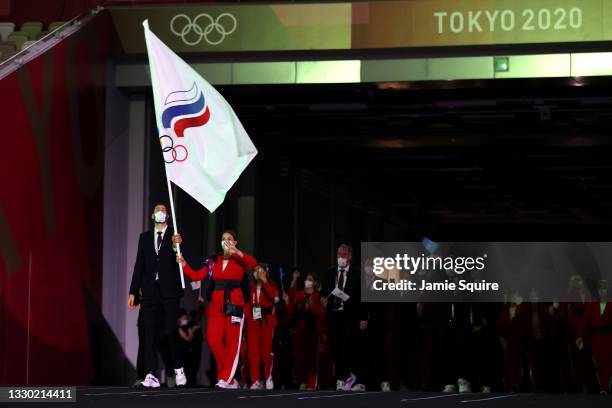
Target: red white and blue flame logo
182, 110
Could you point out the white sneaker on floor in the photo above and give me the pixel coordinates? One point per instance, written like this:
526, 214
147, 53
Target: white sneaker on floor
385, 386
358, 387
179, 375
228, 386
269, 383
302, 386
486, 389
348, 384
339, 385
150, 382
449, 388
464, 385
256, 385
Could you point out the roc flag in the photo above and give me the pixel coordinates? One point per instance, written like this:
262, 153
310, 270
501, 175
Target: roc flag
204, 145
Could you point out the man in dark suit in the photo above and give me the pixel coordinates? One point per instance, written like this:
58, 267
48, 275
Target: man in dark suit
156, 274
347, 319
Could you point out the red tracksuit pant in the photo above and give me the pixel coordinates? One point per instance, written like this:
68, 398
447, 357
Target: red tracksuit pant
224, 339
259, 342
602, 355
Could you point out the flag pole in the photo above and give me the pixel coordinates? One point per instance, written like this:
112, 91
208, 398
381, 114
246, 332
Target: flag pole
145, 25
178, 246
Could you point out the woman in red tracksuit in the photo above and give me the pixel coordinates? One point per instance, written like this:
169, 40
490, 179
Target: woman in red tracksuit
514, 331
305, 306
597, 326
226, 309
260, 321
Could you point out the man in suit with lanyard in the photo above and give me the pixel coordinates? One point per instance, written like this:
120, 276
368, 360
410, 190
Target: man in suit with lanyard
347, 319
156, 274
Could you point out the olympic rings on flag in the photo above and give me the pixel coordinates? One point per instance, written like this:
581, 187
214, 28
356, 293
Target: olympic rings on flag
179, 152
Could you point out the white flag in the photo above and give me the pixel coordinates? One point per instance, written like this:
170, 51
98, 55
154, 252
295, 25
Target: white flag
205, 147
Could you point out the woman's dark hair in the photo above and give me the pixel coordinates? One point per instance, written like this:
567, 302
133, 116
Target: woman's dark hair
182, 312
313, 274
232, 233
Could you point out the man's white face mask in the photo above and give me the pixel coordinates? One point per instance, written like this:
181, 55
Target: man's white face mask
160, 217
342, 262
308, 283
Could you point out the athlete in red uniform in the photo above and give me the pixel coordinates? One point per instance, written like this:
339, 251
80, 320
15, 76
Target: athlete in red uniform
260, 320
597, 326
226, 309
308, 313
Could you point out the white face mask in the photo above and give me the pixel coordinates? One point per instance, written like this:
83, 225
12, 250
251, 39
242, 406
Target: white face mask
183, 322
224, 245
160, 217
342, 262
308, 284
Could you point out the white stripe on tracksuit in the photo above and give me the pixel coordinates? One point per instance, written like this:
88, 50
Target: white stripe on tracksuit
233, 372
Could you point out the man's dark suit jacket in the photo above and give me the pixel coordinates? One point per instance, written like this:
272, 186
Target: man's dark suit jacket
148, 263
353, 306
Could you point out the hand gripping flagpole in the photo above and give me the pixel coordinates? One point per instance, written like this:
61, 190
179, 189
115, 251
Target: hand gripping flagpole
178, 246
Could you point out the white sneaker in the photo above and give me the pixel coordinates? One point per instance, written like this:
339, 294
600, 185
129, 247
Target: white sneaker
256, 385
339, 385
486, 389
464, 385
358, 387
269, 383
449, 388
228, 386
179, 375
302, 386
385, 386
150, 382
348, 384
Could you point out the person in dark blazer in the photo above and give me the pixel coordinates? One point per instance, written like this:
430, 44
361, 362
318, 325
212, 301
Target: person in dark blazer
156, 276
347, 320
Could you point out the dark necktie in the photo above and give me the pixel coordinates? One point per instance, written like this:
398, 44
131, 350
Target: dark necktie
159, 240
340, 284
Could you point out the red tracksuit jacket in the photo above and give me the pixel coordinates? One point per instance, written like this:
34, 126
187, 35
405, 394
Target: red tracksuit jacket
233, 271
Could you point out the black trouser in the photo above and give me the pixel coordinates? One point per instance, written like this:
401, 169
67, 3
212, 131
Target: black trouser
161, 324
345, 341
163, 348
192, 365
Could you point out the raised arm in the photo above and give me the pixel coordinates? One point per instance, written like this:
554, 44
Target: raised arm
245, 260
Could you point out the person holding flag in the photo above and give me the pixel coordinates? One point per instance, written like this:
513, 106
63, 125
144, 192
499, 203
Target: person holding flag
156, 277
226, 309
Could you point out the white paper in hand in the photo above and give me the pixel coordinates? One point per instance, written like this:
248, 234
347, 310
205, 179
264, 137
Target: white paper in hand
339, 293
195, 285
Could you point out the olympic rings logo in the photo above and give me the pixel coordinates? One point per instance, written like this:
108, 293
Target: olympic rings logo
178, 153
223, 25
